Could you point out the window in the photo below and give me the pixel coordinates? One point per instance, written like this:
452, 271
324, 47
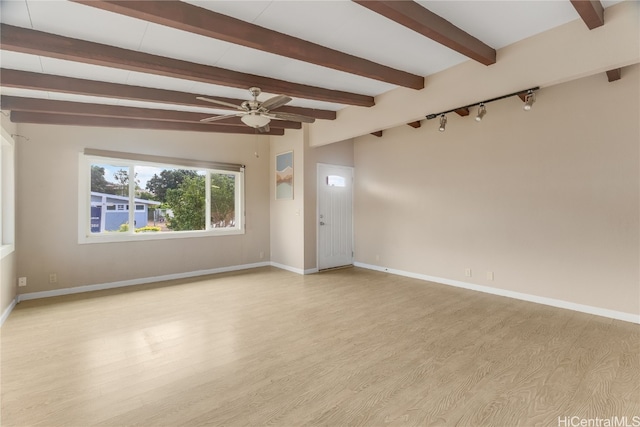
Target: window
336, 181
171, 198
7, 194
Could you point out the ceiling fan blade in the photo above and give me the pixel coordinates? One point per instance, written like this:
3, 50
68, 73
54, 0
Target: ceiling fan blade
216, 118
215, 101
289, 116
275, 102
264, 128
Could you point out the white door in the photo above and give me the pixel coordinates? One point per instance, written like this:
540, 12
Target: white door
335, 216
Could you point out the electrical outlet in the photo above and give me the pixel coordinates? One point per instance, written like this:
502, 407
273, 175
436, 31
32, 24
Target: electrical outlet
22, 281
467, 272
377, 257
489, 275
261, 255
53, 278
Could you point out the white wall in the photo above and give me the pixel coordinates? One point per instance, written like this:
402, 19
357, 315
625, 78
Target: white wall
48, 196
548, 199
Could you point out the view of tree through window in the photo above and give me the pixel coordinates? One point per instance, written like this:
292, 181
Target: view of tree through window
223, 189
166, 199
187, 204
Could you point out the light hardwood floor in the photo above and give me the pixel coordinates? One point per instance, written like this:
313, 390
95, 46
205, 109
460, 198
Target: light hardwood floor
347, 347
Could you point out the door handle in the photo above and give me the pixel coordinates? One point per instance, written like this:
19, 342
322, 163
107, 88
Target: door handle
322, 223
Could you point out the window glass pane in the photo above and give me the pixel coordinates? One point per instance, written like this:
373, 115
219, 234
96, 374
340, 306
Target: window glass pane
223, 200
176, 198
336, 181
150, 194
7, 196
109, 197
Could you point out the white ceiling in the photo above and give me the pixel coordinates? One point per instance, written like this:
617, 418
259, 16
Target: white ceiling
340, 25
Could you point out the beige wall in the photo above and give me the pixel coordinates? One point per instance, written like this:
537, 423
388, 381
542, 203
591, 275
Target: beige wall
293, 222
8, 279
8, 264
287, 216
548, 199
48, 197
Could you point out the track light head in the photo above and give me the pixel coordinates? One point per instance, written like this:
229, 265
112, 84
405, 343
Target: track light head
529, 99
443, 122
482, 110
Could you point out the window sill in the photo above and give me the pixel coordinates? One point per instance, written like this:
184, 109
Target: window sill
121, 237
6, 250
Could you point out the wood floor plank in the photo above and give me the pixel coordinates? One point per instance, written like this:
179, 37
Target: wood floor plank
346, 347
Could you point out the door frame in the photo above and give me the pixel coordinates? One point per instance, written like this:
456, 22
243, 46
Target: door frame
318, 184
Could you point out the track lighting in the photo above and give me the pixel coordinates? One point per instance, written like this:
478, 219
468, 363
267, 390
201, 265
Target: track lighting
482, 110
527, 95
529, 99
443, 122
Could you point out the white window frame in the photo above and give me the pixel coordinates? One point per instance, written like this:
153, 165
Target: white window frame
7, 194
84, 206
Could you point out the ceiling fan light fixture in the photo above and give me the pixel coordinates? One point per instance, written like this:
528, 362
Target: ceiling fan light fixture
255, 120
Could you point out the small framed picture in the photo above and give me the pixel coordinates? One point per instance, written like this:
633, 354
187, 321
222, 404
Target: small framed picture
284, 176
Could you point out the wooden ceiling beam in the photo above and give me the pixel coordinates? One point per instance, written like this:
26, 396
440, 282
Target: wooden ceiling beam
462, 112
415, 124
36, 105
33, 42
186, 17
377, 134
48, 82
76, 120
591, 12
523, 96
421, 20
613, 75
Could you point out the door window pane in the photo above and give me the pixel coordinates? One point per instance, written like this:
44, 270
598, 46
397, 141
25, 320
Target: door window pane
336, 181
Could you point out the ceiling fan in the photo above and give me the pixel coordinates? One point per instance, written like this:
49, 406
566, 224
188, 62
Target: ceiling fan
258, 114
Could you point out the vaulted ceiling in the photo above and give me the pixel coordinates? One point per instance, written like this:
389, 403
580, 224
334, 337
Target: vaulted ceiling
142, 64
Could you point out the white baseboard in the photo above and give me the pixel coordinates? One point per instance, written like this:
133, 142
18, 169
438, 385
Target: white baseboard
293, 269
133, 282
7, 311
618, 315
